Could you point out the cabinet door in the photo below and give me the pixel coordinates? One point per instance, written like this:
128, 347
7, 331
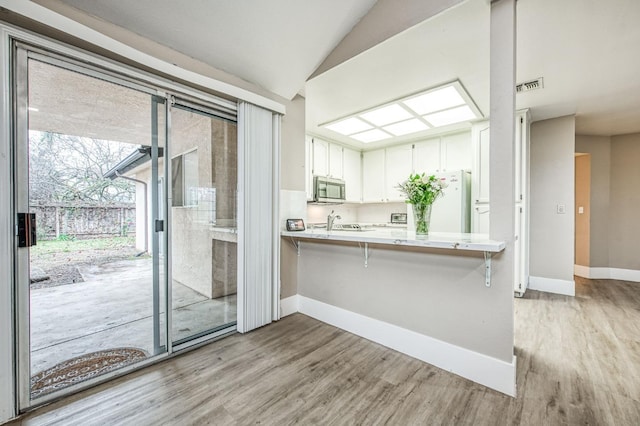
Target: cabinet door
426, 156
320, 157
373, 176
481, 178
456, 152
353, 174
480, 219
399, 165
336, 161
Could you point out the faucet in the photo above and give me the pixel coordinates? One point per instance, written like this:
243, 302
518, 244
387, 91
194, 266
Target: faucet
330, 219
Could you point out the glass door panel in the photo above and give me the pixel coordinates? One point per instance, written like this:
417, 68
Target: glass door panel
203, 223
92, 293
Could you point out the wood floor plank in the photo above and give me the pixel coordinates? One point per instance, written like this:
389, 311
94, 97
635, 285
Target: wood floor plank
578, 363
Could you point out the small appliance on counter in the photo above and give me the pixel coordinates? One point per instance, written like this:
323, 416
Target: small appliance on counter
295, 225
399, 218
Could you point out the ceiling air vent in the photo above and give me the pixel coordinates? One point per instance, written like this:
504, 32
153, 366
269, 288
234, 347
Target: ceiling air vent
529, 85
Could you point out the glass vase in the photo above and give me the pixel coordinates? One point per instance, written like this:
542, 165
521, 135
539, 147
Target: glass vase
422, 218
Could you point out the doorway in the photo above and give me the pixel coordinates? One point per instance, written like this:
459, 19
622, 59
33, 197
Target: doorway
126, 203
582, 240
90, 293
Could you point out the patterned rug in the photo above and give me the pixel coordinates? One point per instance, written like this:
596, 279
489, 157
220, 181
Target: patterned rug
84, 367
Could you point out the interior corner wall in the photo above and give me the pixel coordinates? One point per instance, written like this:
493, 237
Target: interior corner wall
292, 148
600, 149
624, 202
552, 186
292, 177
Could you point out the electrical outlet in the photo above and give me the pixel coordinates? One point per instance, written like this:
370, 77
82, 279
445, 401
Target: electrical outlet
560, 209
580, 210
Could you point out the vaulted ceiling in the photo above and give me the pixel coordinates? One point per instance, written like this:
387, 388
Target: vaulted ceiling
584, 49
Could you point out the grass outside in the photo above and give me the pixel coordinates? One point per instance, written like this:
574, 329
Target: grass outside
72, 245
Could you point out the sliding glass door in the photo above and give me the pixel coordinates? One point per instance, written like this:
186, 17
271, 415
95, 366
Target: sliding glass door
91, 287
126, 207
203, 146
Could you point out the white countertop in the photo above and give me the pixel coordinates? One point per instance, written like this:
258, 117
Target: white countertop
398, 236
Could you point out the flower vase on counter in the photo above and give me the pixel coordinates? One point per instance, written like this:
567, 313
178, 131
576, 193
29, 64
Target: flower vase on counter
422, 218
421, 192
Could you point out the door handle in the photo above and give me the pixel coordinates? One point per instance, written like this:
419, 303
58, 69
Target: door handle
26, 229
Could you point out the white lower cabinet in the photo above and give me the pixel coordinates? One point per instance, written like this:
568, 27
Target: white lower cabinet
480, 219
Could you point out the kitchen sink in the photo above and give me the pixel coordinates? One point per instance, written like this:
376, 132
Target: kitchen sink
350, 227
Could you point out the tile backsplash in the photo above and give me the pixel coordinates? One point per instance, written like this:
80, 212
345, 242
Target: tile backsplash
355, 213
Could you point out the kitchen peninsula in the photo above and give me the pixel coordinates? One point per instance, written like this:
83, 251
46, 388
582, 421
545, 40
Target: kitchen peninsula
430, 298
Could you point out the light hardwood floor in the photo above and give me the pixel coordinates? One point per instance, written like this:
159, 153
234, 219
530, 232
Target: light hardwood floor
578, 363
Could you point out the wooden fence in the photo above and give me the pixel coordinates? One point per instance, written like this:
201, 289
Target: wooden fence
58, 221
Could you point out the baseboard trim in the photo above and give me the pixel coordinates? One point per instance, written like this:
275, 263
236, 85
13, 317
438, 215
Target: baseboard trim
491, 372
601, 273
289, 305
552, 285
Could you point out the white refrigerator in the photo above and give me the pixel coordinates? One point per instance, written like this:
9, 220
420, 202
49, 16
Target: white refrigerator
451, 212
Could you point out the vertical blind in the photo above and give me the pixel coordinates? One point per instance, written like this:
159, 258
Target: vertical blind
258, 153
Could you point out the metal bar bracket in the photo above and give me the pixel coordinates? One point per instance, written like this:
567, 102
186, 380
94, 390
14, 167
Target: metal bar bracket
487, 269
296, 244
366, 255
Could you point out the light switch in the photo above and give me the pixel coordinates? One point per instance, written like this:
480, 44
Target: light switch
580, 210
560, 208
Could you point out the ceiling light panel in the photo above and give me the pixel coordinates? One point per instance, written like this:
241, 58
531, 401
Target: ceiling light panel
406, 127
450, 116
349, 126
371, 136
436, 100
387, 115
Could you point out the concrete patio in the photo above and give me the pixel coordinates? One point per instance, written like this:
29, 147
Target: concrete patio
112, 308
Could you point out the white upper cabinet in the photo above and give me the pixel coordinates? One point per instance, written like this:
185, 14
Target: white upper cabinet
426, 156
373, 182
327, 159
336, 161
456, 152
320, 157
352, 165
398, 167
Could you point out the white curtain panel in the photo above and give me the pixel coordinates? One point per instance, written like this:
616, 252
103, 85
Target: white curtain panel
258, 234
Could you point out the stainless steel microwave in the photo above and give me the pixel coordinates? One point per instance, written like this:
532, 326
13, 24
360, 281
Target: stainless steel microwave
328, 190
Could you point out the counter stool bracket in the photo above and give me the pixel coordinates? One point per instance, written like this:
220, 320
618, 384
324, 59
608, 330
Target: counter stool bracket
365, 253
296, 244
487, 268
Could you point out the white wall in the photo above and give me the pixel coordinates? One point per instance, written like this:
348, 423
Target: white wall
552, 184
624, 230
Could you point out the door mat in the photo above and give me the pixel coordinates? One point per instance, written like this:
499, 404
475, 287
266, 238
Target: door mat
84, 367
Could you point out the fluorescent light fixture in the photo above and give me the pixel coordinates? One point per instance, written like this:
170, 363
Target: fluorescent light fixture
435, 107
33, 109
405, 127
435, 100
450, 116
371, 136
386, 115
349, 126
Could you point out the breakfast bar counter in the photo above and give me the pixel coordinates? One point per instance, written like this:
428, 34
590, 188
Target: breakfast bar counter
402, 237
